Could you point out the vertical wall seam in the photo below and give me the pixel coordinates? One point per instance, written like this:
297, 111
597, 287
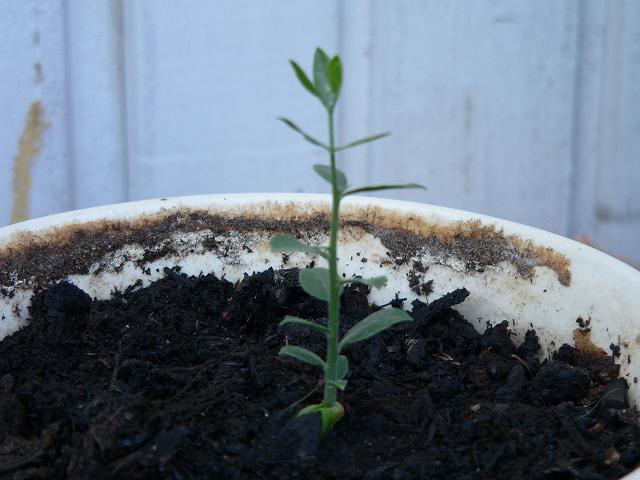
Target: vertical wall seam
341, 45
121, 52
370, 79
608, 107
576, 116
68, 93
354, 44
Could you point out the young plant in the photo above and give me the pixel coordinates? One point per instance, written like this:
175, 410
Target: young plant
326, 283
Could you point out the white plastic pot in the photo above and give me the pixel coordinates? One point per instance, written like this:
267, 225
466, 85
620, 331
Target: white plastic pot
514, 272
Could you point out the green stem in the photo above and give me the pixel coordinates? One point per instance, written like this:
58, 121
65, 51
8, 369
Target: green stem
334, 285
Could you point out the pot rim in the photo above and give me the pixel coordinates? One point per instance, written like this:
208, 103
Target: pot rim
133, 209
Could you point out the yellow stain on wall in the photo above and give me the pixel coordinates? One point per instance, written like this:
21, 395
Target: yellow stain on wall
28, 149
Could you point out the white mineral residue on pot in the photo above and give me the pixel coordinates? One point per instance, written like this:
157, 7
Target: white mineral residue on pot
14, 311
236, 254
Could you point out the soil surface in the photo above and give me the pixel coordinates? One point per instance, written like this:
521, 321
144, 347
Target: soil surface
182, 380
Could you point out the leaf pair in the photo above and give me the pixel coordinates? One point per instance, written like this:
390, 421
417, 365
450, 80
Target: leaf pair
326, 85
341, 182
327, 78
307, 356
316, 282
314, 141
368, 327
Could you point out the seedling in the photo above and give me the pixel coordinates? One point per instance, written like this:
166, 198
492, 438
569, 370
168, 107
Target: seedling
325, 283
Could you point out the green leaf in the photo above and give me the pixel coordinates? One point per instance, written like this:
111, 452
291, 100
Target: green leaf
373, 324
315, 281
375, 282
306, 136
285, 243
329, 415
335, 75
373, 188
371, 138
305, 323
321, 78
339, 384
325, 172
342, 367
304, 80
303, 355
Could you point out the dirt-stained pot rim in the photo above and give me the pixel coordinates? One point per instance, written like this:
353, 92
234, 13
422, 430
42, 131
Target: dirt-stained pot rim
66, 247
33, 251
535, 277
111, 226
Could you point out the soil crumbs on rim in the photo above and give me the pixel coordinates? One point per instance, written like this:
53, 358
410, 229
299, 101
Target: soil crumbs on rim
182, 380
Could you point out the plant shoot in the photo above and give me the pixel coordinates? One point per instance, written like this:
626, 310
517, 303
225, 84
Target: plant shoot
326, 283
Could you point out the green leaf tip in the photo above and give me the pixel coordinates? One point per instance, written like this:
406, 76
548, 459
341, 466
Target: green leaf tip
290, 319
325, 172
335, 75
371, 138
330, 415
375, 282
315, 281
342, 367
303, 355
389, 186
302, 77
326, 78
373, 324
339, 384
312, 140
285, 243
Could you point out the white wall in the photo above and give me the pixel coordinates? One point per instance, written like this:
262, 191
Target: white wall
519, 109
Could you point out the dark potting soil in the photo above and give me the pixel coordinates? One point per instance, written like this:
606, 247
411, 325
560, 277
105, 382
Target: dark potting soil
183, 380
